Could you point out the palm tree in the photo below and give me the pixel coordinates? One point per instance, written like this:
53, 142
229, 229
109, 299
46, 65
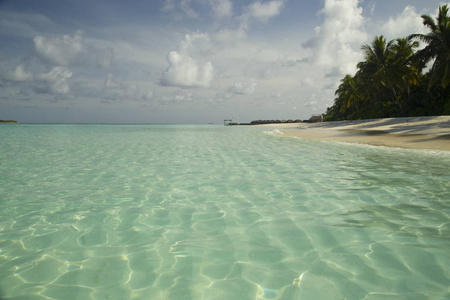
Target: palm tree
438, 47
407, 65
349, 93
388, 65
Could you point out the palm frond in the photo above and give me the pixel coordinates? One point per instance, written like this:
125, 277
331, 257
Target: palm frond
429, 22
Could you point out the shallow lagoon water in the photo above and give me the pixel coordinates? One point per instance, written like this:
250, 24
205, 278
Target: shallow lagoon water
213, 212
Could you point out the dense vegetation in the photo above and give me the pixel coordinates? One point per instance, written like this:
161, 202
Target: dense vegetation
391, 82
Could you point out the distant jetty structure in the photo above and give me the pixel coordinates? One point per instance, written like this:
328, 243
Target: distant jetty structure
227, 122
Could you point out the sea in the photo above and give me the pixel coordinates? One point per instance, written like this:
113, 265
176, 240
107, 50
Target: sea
217, 212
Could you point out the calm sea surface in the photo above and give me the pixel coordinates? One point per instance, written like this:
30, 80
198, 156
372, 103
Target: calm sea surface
214, 212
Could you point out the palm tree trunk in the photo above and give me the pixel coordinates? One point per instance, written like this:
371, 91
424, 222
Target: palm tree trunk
408, 89
394, 93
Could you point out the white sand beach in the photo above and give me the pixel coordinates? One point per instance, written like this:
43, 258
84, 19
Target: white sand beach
431, 133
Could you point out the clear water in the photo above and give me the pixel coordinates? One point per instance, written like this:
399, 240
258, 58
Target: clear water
213, 212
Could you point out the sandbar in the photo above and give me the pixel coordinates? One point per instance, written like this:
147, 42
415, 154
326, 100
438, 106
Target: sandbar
431, 133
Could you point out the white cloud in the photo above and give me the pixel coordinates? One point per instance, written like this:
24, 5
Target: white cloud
177, 97
168, 5
243, 87
258, 12
19, 75
113, 90
60, 51
55, 81
404, 24
190, 39
183, 6
339, 38
67, 50
228, 37
183, 70
120, 90
184, 96
263, 11
237, 60
221, 8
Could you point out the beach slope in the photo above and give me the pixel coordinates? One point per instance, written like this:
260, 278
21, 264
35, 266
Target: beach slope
432, 133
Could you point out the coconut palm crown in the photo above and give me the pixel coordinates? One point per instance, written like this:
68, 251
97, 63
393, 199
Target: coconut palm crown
438, 48
389, 64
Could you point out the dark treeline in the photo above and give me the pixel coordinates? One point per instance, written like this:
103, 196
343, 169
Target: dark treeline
391, 82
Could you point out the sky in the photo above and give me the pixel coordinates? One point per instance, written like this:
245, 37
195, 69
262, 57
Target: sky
186, 61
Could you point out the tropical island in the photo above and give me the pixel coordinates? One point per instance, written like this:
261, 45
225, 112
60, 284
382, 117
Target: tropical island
8, 121
397, 79
399, 96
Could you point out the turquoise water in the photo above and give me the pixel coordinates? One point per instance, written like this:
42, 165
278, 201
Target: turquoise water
213, 212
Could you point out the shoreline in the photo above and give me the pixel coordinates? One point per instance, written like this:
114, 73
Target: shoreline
424, 133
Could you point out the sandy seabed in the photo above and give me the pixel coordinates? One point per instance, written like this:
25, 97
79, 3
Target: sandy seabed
432, 133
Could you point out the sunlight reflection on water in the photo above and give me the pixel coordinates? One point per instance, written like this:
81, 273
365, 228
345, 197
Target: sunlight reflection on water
207, 212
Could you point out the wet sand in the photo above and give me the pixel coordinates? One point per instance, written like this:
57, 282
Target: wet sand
432, 133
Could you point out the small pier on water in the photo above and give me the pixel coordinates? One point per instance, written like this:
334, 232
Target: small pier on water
227, 122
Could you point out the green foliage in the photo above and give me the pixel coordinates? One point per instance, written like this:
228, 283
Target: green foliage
390, 83
438, 48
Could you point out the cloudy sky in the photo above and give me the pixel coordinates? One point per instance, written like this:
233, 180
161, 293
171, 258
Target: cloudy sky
186, 61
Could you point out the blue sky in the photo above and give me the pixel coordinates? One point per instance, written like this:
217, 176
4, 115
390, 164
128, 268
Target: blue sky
186, 61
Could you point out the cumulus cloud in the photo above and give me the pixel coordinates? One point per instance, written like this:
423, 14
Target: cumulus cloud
254, 13
54, 81
258, 12
60, 51
183, 70
263, 11
339, 38
243, 87
56, 54
404, 24
18, 75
